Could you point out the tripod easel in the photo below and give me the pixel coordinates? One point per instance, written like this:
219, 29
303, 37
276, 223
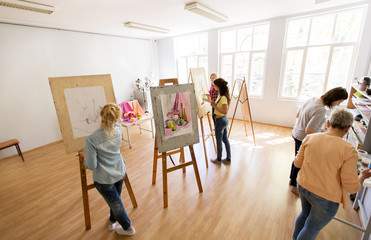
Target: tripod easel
245, 105
201, 75
85, 187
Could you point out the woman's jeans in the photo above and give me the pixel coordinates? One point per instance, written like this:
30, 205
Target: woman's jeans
315, 214
221, 135
112, 194
294, 170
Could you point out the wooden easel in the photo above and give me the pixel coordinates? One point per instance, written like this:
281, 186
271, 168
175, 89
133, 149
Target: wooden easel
165, 170
244, 102
85, 187
204, 137
163, 156
163, 82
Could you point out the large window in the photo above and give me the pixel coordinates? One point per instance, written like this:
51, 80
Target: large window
191, 52
319, 53
243, 54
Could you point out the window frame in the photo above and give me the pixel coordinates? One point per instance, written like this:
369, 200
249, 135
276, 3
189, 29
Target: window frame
188, 56
332, 46
251, 53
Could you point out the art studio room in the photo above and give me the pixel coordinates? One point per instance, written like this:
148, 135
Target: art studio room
164, 120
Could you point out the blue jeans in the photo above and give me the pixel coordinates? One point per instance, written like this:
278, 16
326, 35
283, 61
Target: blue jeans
315, 214
112, 194
221, 135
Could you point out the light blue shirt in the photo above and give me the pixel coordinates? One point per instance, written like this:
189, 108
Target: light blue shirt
102, 155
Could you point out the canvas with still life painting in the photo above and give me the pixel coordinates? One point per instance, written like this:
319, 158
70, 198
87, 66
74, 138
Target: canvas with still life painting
175, 115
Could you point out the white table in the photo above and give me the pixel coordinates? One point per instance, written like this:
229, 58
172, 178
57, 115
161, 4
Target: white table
128, 126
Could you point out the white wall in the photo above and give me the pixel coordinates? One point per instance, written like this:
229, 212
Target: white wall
270, 109
28, 56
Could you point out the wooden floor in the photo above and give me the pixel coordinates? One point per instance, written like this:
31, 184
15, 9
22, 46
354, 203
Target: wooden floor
41, 197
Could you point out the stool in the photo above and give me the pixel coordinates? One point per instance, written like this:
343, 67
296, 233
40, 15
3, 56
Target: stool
13, 142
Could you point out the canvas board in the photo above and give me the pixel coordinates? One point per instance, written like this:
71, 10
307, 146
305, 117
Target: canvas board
78, 101
201, 85
240, 87
175, 115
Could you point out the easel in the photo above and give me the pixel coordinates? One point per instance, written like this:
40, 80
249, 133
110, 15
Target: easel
163, 82
103, 87
201, 116
85, 187
182, 163
245, 110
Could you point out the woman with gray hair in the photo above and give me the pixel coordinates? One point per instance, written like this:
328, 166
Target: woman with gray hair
328, 169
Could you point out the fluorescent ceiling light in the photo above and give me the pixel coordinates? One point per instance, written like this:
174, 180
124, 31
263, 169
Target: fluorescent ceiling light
146, 27
204, 11
29, 6
320, 1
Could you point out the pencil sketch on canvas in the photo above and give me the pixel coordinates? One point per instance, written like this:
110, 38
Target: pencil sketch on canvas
84, 105
199, 79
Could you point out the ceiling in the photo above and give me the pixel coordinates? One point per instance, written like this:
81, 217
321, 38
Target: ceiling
109, 16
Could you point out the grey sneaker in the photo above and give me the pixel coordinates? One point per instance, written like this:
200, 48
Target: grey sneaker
216, 161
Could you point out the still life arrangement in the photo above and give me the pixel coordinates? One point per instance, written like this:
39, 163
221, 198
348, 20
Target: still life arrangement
131, 111
177, 118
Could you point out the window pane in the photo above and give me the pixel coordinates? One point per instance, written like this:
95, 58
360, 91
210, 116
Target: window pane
257, 73
260, 37
297, 33
348, 25
202, 62
312, 85
226, 70
244, 37
241, 65
182, 70
192, 62
241, 69
291, 77
317, 58
340, 64
191, 52
228, 41
203, 44
315, 71
321, 29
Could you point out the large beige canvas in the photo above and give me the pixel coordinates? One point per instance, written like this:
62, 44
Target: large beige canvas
200, 83
77, 101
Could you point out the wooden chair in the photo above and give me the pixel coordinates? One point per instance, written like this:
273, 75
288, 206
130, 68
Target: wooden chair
10, 143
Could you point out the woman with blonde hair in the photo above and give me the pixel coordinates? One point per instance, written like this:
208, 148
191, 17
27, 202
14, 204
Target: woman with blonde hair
102, 155
328, 171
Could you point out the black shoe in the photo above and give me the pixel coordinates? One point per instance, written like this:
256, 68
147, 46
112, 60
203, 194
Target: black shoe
225, 161
216, 161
